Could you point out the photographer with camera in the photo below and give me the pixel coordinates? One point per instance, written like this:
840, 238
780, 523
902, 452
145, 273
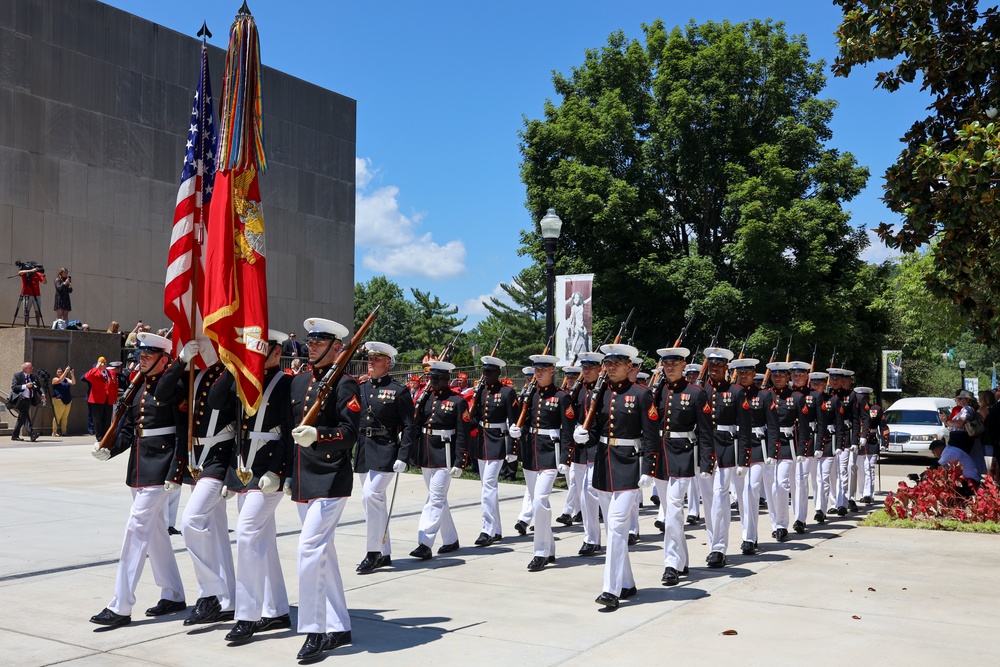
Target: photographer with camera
25, 390
61, 399
64, 287
103, 383
32, 275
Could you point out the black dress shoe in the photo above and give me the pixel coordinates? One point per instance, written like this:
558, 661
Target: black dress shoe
34, 436
242, 632
14, 437
448, 548
853, 506
336, 639
774, 533
588, 549
748, 548
385, 560
781, 534
313, 646
716, 559
521, 528
166, 607
868, 500
655, 500
497, 538
685, 570
172, 531
483, 540
693, 520
608, 600
734, 505
565, 519
670, 577
273, 623
110, 619
819, 517
841, 511
633, 539
369, 563
628, 593
799, 527
208, 610
423, 552
538, 563
578, 517
660, 526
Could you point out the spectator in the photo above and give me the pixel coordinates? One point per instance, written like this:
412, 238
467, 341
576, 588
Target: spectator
24, 387
64, 287
293, 348
130, 340
957, 435
430, 356
84, 327
61, 399
31, 292
102, 396
295, 368
414, 385
115, 328
948, 453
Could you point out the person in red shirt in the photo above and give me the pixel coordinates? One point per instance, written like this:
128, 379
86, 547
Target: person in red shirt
102, 396
31, 278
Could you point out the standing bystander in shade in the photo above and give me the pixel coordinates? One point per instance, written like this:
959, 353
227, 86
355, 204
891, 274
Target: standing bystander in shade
103, 394
64, 287
62, 398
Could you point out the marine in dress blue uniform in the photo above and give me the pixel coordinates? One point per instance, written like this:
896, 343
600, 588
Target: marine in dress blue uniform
845, 459
495, 413
871, 427
148, 432
756, 404
573, 500
805, 434
829, 421
585, 454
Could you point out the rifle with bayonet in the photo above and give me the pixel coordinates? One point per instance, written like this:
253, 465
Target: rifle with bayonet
120, 407
530, 388
331, 377
742, 352
477, 395
446, 352
704, 364
659, 377
602, 379
767, 373
812, 364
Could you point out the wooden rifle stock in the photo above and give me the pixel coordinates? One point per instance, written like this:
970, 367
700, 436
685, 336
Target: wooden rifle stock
530, 389
121, 405
337, 370
477, 395
602, 381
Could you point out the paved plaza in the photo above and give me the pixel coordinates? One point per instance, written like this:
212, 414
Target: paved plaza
837, 595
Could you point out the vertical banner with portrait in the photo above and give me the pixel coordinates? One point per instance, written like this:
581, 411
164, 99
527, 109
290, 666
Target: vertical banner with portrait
892, 370
574, 317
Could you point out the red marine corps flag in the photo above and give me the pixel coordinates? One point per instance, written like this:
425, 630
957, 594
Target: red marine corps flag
184, 294
236, 296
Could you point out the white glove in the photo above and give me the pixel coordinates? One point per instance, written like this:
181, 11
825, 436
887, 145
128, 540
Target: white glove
515, 432
563, 469
288, 487
455, 472
170, 487
862, 441
399, 466
854, 449
268, 482
99, 453
581, 435
189, 351
511, 458
741, 471
704, 475
818, 453
769, 461
645, 481
800, 459
304, 435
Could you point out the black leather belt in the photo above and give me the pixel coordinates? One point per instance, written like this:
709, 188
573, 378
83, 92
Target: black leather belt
373, 432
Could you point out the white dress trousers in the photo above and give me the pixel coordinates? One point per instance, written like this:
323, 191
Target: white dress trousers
260, 584
800, 499
436, 515
868, 462
751, 502
146, 533
205, 527
374, 502
591, 503
489, 474
573, 501
782, 489
540, 482
617, 508
718, 513
675, 551
322, 605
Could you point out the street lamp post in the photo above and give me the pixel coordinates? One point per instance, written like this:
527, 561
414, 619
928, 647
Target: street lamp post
551, 226
961, 367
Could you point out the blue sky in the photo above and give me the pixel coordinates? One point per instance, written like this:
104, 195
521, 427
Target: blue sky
442, 88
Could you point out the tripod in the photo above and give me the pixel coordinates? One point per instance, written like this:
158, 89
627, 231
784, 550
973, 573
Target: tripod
25, 301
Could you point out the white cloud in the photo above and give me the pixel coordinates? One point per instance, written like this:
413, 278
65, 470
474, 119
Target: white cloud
877, 252
390, 240
475, 307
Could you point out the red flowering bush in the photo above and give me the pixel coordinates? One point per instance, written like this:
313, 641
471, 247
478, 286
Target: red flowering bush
945, 494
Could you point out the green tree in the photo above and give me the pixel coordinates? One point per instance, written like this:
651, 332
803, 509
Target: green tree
435, 324
394, 322
523, 319
944, 181
694, 175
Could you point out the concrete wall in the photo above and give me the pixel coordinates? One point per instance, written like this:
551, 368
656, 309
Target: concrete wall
94, 110
50, 350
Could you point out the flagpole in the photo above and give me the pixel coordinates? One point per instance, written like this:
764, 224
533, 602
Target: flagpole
199, 239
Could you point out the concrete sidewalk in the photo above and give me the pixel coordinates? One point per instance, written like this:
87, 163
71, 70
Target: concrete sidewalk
839, 594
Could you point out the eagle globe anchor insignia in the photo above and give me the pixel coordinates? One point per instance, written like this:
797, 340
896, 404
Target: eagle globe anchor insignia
244, 475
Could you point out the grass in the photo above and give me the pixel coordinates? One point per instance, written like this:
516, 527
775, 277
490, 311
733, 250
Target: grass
881, 519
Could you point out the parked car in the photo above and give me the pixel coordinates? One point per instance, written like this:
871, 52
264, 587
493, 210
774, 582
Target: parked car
915, 422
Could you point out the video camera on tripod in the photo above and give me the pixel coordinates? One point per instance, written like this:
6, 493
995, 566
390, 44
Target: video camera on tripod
31, 273
29, 266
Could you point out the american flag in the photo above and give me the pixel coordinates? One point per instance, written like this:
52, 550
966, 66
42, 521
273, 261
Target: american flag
190, 216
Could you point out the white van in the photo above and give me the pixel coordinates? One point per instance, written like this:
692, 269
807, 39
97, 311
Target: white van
915, 422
